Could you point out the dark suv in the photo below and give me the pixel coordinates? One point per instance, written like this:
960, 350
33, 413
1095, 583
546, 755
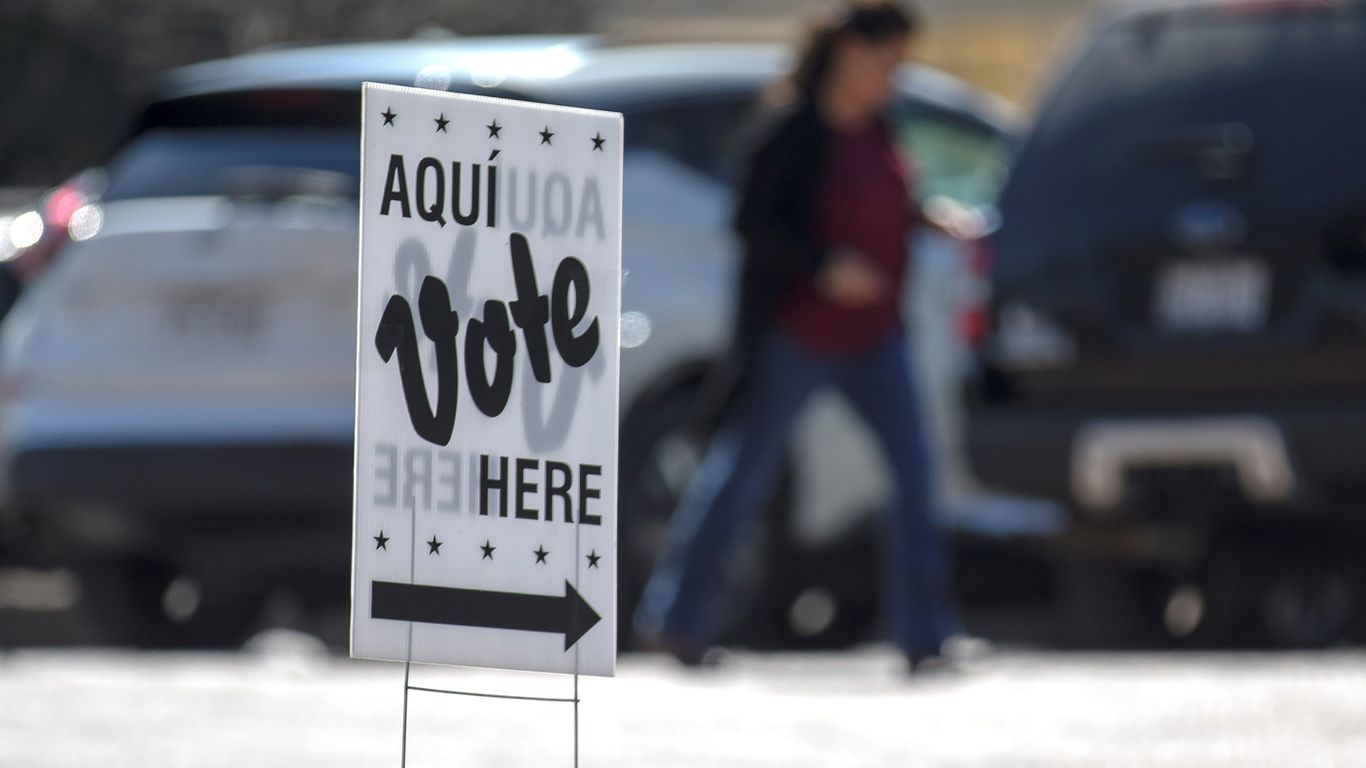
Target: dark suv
1177, 341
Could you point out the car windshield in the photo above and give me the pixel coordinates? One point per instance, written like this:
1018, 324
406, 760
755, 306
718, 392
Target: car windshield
166, 162
1264, 105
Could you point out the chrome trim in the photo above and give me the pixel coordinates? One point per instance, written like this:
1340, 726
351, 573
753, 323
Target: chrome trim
1103, 451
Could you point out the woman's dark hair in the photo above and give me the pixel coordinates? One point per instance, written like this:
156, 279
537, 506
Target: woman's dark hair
873, 21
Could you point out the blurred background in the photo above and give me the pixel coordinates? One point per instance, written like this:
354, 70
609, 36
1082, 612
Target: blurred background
79, 67
1144, 365
1145, 368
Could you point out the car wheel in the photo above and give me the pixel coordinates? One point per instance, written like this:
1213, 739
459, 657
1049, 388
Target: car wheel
1104, 605
826, 597
145, 603
1286, 589
661, 448
1307, 606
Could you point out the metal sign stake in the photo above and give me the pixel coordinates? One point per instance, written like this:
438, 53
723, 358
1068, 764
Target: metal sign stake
408, 687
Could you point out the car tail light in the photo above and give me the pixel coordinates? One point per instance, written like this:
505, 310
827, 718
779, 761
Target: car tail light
61, 204
974, 313
66, 213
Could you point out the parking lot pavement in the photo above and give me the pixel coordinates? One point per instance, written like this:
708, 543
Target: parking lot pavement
282, 702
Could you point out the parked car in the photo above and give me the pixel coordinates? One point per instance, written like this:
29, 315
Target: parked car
181, 434
1177, 343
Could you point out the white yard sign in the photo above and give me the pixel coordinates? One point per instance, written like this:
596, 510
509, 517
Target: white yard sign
486, 396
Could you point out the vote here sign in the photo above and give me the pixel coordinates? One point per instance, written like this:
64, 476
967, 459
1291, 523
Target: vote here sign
486, 393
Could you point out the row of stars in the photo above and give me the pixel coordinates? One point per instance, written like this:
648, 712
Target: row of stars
495, 130
434, 548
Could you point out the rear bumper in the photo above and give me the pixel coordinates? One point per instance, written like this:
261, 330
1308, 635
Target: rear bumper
218, 507
1035, 450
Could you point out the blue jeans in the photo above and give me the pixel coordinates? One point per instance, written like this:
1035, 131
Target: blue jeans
682, 600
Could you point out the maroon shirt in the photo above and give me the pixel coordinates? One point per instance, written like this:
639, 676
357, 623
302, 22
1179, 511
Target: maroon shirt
863, 203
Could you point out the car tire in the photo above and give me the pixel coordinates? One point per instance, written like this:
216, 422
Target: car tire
1284, 589
661, 447
146, 604
826, 597
1108, 606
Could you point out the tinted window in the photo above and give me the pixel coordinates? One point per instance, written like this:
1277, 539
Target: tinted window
952, 157
167, 162
263, 108
1261, 104
700, 134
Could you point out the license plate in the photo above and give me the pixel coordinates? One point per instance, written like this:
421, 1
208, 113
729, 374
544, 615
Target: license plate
226, 314
1212, 296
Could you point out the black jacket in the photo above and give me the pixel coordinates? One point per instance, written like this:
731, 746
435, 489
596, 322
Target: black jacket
775, 223
775, 218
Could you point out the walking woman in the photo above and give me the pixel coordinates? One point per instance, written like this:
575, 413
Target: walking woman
824, 217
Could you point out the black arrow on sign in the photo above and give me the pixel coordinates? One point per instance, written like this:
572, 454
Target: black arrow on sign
569, 614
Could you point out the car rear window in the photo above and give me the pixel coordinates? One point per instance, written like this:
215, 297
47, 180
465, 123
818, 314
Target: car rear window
1265, 102
271, 142
699, 132
168, 162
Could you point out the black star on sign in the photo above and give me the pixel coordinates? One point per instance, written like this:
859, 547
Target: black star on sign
597, 142
545, 135
382, 541
442, 122
540, 554
388, 115
593, 559
494, 128
434, 546
488, 550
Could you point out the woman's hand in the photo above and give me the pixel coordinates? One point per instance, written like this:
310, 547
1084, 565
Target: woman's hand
849, 279
952, 218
